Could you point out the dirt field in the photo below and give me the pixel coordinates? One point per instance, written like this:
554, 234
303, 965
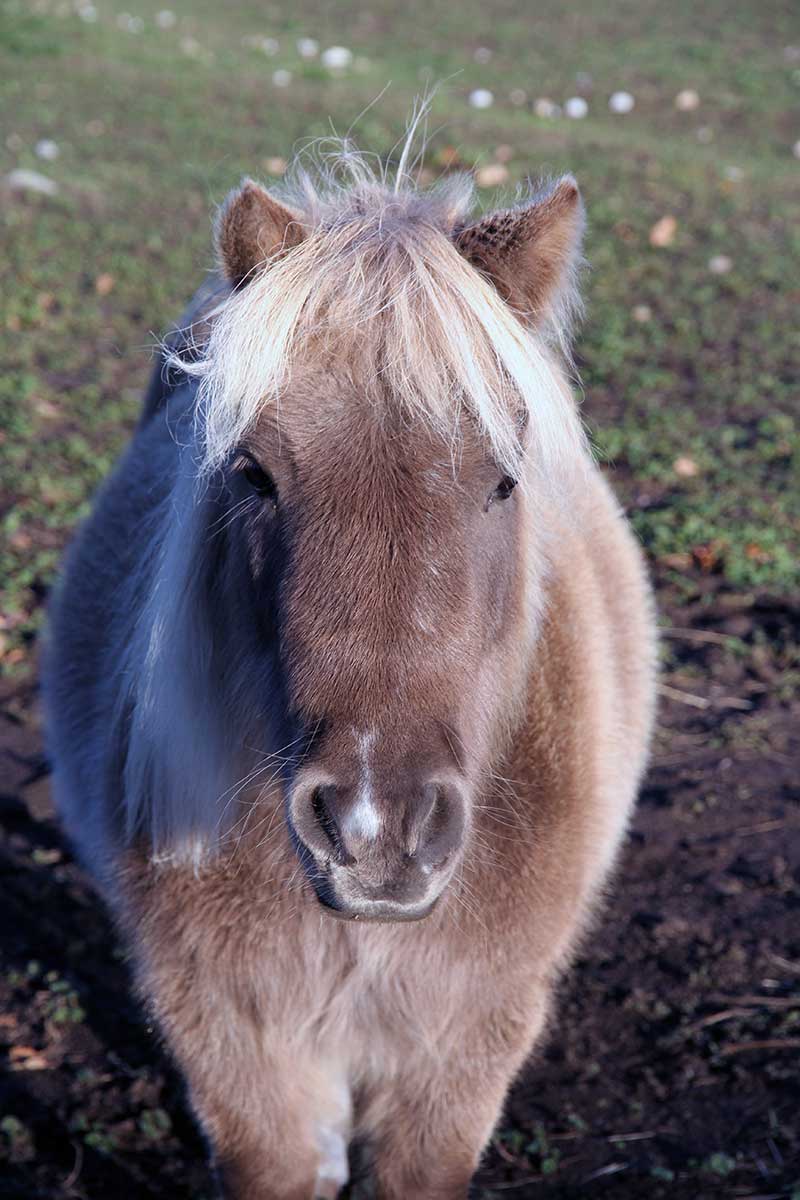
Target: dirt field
672, 1069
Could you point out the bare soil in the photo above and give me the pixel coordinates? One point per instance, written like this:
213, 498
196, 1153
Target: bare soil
672, 1067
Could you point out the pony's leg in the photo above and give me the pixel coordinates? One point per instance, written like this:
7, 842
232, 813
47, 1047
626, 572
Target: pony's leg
429, 1136
274, 1133
277, 1120
277, 1115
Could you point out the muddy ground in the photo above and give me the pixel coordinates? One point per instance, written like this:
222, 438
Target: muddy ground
672, 1069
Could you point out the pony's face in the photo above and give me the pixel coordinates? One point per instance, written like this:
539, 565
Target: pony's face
400, 583
386, 547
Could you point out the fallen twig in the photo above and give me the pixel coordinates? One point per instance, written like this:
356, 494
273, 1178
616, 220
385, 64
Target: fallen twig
611, 1169
72, 1178
697, 635
732, 702
703, 702
766, 1044
727, 1014
785, 964
683, 697
633, 1137
754, 1001
763, 827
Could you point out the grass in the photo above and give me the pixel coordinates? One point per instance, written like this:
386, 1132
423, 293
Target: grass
153, 125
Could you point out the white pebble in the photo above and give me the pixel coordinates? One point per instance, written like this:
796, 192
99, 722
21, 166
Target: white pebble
734, 174
720, 264
687, 100
543, 107
47, 149
642, 313
621, 102
337, 58
281, 78
796, 149
482, 55
130, 24
307, 47
166, 19
576, 107
481, 98
22, 180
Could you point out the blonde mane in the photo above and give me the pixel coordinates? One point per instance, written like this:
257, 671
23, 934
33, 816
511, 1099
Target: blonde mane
378, 283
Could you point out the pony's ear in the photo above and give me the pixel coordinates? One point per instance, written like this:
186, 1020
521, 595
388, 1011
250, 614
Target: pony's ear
251, 228
529, 253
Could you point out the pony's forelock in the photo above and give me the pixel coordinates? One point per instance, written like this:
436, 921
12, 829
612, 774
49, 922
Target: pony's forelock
377, 283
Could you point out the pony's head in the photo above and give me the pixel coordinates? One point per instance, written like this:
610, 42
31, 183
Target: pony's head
380, 415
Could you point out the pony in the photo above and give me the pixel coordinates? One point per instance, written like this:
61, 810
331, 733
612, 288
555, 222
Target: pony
350, 677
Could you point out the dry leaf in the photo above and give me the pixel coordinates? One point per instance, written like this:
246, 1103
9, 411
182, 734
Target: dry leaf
492, 175
26, 1058
104, 284
448, 157
46, 858
678, 562
686, 467
663, 232
708, 555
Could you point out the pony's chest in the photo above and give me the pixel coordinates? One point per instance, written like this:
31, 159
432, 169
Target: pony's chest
375, 994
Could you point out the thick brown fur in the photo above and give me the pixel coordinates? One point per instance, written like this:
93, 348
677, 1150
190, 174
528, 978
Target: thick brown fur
425, 1024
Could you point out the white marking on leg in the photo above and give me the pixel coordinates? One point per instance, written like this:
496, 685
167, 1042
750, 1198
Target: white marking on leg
333, 1170
333, 1134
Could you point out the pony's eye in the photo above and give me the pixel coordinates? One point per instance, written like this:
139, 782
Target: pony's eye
504, 488
260, 481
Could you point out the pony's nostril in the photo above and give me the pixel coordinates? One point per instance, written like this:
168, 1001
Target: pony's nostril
440, 828
322, 799
422, 819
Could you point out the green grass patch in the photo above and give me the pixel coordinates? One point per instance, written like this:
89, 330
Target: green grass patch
155, 120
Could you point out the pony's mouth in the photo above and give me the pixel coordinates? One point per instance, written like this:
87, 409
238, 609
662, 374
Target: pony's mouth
346, 898
377, 912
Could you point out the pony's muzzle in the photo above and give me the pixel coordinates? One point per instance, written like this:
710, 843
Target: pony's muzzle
379, 858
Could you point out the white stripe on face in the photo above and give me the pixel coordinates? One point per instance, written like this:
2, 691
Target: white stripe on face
363, 820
